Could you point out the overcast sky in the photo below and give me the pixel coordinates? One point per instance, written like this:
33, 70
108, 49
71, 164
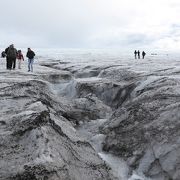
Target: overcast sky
121, 24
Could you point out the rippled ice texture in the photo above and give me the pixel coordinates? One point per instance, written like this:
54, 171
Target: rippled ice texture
81, 58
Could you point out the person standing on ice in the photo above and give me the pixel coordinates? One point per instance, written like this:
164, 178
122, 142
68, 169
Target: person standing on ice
7, 59
143, 54
30, 55
20, 58
138, 54
11, 55
135, 54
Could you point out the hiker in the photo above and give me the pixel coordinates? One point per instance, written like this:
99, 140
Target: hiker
135, 54
20, 58
30, 55
143, 54
7, 59
11, 54
138, 53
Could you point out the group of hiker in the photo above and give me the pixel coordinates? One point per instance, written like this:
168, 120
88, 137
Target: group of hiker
137, 54
12, 54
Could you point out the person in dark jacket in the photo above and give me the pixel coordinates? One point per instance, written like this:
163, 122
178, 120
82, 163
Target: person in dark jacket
138, 53
30, 55
7, 59
135, 54
12, 54
143, 54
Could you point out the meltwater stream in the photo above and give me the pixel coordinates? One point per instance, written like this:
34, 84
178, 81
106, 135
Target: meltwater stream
89, 130
120, 170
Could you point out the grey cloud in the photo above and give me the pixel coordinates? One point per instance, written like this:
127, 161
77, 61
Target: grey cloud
49, 22
71, 23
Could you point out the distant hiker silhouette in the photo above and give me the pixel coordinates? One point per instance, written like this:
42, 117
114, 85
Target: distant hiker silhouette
138, 53
135, 54
143, 54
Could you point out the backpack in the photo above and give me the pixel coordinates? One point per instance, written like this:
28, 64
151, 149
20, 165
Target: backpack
12, 53
3, 54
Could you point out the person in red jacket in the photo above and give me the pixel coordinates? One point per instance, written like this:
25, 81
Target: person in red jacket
20, 58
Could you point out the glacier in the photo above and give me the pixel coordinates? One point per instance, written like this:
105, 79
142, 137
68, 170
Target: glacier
91, 114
